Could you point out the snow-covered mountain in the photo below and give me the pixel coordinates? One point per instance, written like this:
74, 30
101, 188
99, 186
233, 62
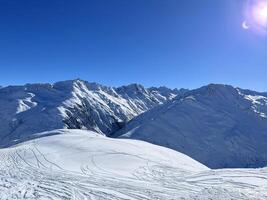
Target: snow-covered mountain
78, 164
218, 125
32, 108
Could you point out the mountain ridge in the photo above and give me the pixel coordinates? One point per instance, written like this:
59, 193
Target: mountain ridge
72, 104
203, 123
218, 125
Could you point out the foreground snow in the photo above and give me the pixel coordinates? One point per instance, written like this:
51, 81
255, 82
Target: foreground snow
75, 164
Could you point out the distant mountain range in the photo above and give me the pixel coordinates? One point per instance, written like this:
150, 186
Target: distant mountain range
218, 125
74, 104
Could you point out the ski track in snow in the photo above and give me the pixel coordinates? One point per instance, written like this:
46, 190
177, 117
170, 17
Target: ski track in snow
28, 172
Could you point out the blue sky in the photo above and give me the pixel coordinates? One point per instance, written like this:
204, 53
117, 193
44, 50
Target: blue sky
114, 42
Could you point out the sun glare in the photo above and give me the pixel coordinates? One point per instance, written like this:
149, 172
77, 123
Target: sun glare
260, 13
263, 12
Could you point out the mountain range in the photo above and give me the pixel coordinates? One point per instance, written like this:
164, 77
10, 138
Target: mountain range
79, 140
74, 104
218, 125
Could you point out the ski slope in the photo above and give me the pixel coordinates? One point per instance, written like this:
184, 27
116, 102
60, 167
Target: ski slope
76, 164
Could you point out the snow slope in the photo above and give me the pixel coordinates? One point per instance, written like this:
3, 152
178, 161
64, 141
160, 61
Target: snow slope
218, 125
33, 108
77, 164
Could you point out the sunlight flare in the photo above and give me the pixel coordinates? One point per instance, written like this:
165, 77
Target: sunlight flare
259, 13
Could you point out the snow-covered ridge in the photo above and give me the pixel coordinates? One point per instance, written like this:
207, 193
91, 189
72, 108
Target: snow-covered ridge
26, 103
203, 123
258, 100
78, 164
218, 125
73, 104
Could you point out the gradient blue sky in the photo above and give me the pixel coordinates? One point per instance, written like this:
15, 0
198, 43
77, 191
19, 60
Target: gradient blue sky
114, 42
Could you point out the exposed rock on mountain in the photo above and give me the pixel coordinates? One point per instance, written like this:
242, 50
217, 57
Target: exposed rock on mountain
73, 104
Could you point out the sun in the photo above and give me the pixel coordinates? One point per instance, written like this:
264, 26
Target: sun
260, 13
263, 12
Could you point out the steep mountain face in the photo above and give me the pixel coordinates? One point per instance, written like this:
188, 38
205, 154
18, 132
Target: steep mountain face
218, 125
73, 104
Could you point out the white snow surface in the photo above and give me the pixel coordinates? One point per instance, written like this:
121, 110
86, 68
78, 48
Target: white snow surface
218, 125
79, 164
33, 108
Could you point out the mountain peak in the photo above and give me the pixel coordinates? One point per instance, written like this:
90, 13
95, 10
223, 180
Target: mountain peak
211, 88
71, 104
132, 87
216, 128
